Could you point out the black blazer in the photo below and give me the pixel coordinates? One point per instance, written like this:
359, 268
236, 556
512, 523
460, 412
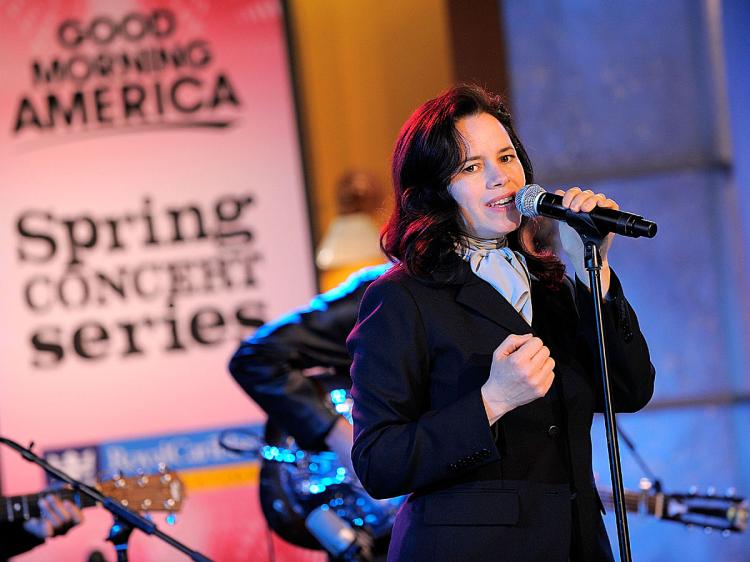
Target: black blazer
522, 489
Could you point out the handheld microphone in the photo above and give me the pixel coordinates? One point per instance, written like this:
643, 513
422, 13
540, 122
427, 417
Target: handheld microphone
532, 200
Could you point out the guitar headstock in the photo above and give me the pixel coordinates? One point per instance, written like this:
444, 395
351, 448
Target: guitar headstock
163, 491
728, 514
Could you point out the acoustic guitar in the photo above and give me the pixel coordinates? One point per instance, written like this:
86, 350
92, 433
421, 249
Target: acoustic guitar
163, 492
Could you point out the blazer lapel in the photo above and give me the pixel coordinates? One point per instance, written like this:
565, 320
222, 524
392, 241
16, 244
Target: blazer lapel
481, 297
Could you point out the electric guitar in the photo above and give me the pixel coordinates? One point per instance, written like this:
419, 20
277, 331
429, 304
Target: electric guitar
294, 482
149, 492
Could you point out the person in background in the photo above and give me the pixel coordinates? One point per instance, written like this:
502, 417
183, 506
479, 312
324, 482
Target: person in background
281, 367
351, 240
272, 366
474, 358
57, 518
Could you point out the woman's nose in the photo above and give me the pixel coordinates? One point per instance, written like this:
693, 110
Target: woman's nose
496, 176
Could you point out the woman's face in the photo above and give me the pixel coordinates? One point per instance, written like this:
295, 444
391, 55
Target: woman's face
490, 175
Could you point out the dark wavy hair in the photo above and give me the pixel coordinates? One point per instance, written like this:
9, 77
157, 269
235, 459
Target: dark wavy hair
425, 226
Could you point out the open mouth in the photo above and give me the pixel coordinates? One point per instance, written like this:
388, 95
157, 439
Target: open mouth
500, 202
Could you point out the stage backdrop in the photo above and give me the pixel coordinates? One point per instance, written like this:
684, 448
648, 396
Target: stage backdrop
153, 213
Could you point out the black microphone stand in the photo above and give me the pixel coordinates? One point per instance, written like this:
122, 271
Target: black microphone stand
125, 519
592, 238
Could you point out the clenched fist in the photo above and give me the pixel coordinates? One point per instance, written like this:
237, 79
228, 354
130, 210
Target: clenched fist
521, 371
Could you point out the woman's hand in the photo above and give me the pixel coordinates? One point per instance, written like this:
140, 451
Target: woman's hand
521, 371
585, 201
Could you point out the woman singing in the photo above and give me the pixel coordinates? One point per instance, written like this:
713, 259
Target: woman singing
475, 376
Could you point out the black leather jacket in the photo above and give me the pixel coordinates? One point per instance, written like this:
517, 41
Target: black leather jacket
14, 540
278, 364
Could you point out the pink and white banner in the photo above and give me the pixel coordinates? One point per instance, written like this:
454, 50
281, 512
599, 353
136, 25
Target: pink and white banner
153, 213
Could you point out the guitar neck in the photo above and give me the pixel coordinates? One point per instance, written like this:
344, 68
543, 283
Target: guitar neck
723, 513
634, 501
23, 508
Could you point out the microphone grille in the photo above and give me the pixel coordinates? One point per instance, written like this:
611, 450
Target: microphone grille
526, 199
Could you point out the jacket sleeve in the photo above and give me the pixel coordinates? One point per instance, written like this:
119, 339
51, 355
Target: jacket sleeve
631, 373
269, 366
14, 539
401, 445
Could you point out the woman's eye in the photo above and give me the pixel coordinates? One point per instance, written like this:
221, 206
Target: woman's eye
471, 168
506, 158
